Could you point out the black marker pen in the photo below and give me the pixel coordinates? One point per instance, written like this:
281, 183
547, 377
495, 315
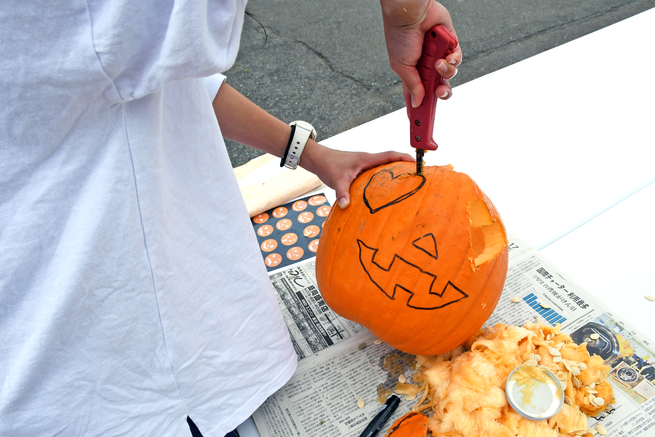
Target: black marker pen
385, 412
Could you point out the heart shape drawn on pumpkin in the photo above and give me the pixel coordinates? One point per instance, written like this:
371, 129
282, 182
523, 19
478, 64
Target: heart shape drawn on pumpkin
395, 190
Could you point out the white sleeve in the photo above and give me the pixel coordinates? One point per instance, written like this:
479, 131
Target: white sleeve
213, 83
145, 45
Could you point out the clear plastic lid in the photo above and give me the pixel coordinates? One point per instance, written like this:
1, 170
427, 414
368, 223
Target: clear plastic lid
534, 392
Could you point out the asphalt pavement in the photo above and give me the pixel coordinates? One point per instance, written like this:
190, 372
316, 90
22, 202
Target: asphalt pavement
325, 61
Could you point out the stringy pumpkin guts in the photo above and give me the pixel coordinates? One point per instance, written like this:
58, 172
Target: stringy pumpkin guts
466, 386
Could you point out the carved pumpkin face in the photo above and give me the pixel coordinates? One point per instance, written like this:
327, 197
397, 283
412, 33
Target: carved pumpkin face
419, 260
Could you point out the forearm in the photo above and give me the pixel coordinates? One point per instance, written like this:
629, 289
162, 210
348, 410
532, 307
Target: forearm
244, 122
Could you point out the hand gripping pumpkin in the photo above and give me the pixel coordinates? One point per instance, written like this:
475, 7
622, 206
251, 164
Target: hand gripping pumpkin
419, 260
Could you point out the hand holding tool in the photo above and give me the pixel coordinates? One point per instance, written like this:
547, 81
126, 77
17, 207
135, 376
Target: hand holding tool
438, 43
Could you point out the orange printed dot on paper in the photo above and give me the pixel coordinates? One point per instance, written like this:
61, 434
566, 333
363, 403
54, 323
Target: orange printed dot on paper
295, 253
280, 212
299, 205
311, 231
269, 245
289, 239
283, 224
305, 217
323, 211
317, 200
260, 218
273, 260
313, 246
265, 231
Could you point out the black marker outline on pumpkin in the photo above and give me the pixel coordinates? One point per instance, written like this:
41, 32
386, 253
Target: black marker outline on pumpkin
441, 295
395, 201
434, 240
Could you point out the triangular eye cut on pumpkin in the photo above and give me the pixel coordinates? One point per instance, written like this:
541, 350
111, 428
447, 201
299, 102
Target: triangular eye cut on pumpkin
427, 244
488, 237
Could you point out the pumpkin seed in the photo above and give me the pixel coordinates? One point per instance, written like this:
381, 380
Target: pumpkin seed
576, 382
575, 370
601, 429
361, 402
582, 366
410, 397
650, 298
531, 362
554, 352
599, 401
402, 379
594, 336
515, 299
567, 400
557, 359
567, 365
536, 357
377, 341
544, 305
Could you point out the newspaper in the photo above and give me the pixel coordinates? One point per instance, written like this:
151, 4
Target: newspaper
340, 361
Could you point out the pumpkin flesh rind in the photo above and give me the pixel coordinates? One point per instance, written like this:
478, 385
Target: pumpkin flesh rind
388, 241
410, 425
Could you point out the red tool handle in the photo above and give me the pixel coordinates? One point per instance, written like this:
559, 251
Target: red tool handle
438, 43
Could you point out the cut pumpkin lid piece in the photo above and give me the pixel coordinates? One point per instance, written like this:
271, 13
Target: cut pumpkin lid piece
410, 425
534, 392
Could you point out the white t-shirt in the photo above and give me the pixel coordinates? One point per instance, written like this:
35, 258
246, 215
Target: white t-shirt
132, 291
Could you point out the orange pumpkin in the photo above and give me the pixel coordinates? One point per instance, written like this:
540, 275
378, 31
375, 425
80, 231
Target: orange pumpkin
419, 260
410, 425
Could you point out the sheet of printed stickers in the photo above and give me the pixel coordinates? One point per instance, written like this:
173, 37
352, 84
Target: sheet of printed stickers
289, 233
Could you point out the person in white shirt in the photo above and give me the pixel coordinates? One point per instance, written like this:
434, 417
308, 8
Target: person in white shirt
132, 293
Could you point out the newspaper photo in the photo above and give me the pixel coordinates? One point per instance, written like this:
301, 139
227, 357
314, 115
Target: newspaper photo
341, 363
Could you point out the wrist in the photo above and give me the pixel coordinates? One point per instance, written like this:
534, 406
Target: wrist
313, 155
403, 13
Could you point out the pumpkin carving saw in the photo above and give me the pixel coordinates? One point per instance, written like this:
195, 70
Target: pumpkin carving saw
420, 260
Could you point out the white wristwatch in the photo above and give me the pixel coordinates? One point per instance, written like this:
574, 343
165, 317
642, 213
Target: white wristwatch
301, 132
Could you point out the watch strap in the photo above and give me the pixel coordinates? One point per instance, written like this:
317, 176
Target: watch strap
301, 132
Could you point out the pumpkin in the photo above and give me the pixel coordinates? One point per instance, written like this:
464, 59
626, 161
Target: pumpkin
420, 260
410, 425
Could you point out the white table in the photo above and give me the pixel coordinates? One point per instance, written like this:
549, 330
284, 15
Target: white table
566, 151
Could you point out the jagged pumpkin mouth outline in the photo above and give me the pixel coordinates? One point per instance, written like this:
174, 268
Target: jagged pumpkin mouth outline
418, 299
